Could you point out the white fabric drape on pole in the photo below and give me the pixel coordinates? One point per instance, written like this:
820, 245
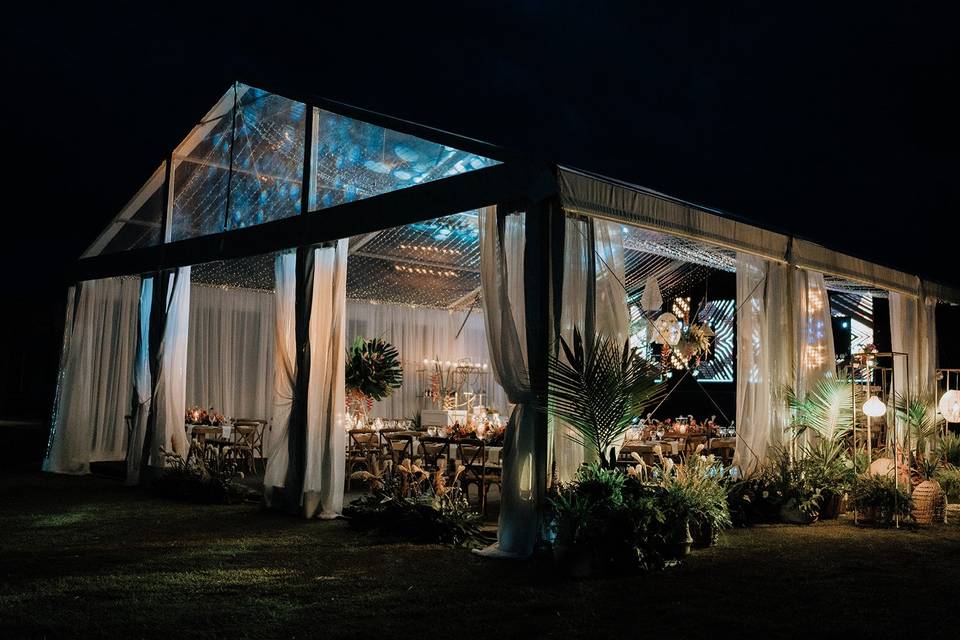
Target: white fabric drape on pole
756, 429
577, 259
913, 331
813, 331
142, 384
171, 392
502, 279
95, 388
613, 317
421, 333
231, 348
326, 435
284, 371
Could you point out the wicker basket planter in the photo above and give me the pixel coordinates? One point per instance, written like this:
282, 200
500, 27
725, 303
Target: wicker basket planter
926, 500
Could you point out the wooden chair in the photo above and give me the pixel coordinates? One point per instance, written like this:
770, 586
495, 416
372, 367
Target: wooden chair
398, 446
472, 454
691, 443
261, 426
432, 450
363, 446
245, 441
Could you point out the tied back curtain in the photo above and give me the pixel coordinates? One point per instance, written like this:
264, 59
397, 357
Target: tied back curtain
170, 395
285, 370
326, 436
305, 469
419, 334
231, 351
95, 391
575, 312
142, 385
502, 248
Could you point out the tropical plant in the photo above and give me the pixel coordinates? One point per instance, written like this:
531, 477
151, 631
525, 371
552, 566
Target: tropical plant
880, 499
783, 491
413, 503
828, 467
597, 389
373, 368
825, 410
606, 521
949, 449
694, 497
920, 415
949, 479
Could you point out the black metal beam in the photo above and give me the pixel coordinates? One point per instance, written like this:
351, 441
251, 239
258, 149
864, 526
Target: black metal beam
518, 181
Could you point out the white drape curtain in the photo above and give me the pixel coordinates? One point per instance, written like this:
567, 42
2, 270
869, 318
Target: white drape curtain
142, 384
231, 347
502, 279
612, 314
577, 261
95, 388
421, 333
784, 339
813, 330
284, 371
755, 424
913, 331
171, 392
326, 436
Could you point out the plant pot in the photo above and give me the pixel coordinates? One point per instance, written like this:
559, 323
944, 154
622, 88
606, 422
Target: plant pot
704, 534
575, 560
830, 506
677, 546
790, 513
925, 499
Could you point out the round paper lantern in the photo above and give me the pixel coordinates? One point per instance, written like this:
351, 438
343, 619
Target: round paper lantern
950, 406
874, 407
668, 329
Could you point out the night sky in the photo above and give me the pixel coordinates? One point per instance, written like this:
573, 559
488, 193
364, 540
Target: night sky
837, 123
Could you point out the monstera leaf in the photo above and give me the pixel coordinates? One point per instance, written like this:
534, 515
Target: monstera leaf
373, 368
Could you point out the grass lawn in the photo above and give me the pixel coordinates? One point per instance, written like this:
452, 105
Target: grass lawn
88, 557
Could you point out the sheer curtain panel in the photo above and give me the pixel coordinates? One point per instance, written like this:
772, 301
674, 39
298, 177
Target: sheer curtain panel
95, 387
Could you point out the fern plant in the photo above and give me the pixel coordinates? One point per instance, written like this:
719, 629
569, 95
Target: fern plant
598, 389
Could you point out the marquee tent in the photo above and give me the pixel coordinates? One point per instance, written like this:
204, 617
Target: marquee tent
284, 225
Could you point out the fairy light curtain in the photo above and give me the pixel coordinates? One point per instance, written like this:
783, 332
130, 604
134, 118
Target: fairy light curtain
97, 362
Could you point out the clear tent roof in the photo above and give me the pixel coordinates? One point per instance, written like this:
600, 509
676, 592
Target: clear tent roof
242, 165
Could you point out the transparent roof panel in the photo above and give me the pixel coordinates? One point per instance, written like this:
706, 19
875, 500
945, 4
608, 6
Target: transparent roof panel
139, 224
355, 160
250, 145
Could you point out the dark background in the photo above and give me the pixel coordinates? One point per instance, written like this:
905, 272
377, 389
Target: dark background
838, 123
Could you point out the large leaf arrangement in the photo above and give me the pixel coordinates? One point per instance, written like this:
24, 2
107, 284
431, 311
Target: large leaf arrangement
373, 368
598, 389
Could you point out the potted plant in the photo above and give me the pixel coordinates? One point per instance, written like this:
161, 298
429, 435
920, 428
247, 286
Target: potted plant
879, 500
929, 500
598, 388
373, 371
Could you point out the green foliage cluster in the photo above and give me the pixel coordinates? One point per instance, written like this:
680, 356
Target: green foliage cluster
373, 368
208, 475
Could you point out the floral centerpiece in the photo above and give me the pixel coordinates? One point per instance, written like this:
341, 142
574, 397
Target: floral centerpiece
199, 416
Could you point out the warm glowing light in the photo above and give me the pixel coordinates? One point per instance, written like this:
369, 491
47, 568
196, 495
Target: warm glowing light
950, 406
874, 407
